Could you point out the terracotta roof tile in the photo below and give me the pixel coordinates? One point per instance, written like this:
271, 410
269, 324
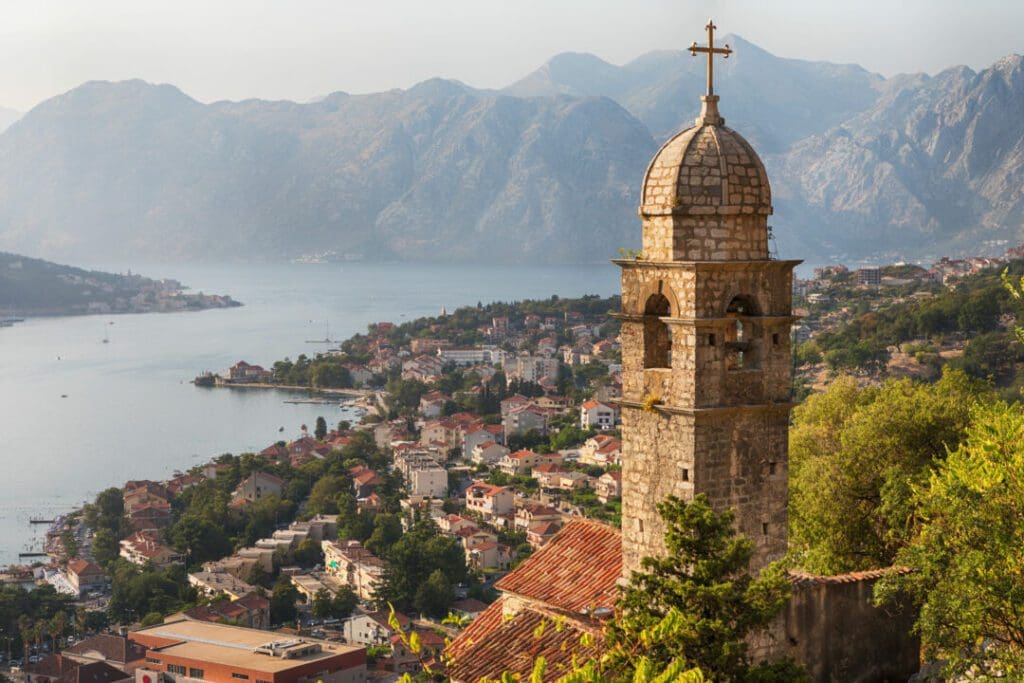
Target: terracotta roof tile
578, 569
109, 647
799, 578
491, 645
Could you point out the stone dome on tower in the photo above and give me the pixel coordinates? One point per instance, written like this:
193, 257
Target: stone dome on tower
706, 195
704, 170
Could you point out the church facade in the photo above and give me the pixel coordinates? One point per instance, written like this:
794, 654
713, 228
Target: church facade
706, 316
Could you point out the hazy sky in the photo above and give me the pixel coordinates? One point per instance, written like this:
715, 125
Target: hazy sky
297, 49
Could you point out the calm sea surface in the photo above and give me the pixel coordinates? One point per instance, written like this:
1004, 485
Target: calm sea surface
129, 410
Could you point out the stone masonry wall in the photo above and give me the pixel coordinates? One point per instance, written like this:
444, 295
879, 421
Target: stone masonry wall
832, 628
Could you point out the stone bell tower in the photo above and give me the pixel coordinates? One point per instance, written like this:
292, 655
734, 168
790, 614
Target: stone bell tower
706, 316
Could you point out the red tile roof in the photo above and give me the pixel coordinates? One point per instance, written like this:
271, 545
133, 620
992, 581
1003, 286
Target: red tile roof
486, 490
799, 578
109, 647
80, 567
522, 454
491, 645
578, 569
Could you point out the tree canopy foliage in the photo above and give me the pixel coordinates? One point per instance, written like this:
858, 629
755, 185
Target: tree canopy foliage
703, 587
856, 455
966, 550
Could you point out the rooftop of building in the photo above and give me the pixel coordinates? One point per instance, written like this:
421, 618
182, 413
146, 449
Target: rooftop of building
234, 645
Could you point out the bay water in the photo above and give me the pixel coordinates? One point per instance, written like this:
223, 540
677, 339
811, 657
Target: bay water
78, 415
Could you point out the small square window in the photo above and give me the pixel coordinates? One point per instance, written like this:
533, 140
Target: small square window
711, 340
771, 468
775, 338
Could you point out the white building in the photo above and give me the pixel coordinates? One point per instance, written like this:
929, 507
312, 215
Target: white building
476, 356
598, 415
428, 482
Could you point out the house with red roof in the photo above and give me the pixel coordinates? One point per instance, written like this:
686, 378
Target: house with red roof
404, 660
476, 434
84, 576
540, 533
522, 461
532, 512
274, 453
512, 402
601, 450
144, 547
365, 481
490, 501
182, 482
489, 555
251, 611
247, 373
432, 404
548, 475
151, 514
595, 414
487, 453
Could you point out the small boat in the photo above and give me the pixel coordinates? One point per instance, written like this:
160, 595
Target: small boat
63, 395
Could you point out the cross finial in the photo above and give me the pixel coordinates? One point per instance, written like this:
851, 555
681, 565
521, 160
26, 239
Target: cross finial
711, 51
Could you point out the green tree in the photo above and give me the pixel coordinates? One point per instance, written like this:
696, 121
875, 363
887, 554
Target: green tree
107, 512
200, 539
855, 456
344, 603
387, 529
704, 586
308, 553
259, 577
414, 557
321, 428
323, 497
323, 606
966, 552
282, 601
435, 595
105, 547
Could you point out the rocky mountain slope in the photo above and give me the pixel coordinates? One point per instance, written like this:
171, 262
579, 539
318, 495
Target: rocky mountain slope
7, 117
935, 164
773, 101
440, 171
547, 169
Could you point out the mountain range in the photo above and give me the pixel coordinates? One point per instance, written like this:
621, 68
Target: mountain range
7, 117
547, 169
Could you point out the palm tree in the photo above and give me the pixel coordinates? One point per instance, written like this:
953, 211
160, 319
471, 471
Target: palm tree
39, 633
80, 621
58, 624
25, 630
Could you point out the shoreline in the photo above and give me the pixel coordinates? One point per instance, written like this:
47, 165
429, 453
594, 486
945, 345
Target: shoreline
326, 391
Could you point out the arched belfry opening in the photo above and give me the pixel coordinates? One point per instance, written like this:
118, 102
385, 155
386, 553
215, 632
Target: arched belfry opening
657, 338
740, 338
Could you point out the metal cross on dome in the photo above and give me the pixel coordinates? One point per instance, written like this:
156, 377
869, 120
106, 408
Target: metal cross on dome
711, 51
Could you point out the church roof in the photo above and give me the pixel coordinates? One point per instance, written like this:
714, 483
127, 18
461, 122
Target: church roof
707, 169
493, 644
577, 570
